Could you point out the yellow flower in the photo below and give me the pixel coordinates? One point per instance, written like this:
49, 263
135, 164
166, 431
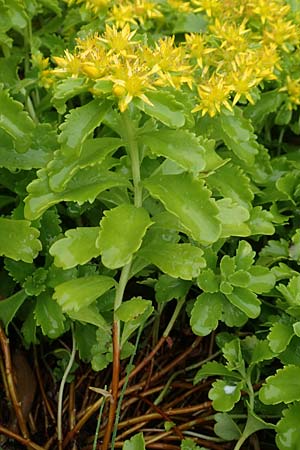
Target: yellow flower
93, 5
143, 9
70, 64
210, 7
213, 95
282, 33
118, 41
121, 14
292, 87
180, 6
196, 46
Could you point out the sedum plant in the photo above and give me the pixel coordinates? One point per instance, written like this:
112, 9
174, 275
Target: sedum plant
140, 144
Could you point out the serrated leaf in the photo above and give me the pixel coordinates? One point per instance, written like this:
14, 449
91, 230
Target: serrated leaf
177, 260
225, 395
93, 151
233, 354
294, 249
280, 335
208, 281
246, 301
190, 201
226, 428
85, 186
121, 233
18, 240
233, 217
135, 443
237, 133
261, 279
288, 430
80, 123
284, 386
66, 89
10, 306
189, 444
260, 221
81, 292
90, 314
49, 316
35, 283
233, 183
206, 313
233, 316
164, 108
167, 288
78, 247
131, 309
291, 292
214, 368
15, 121
179, 146
18, 270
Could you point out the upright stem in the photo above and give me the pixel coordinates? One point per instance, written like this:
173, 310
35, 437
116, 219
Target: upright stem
129, 136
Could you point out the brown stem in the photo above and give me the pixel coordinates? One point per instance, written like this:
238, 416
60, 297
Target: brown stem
114, 387
41, 386
24, 441
11, 385
72, 409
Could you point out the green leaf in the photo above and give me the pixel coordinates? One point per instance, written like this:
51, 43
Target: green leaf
288, 430
36, 282
167, 288
49, 316
130, 309
233, 316
260, 221
268, 103
280, 335
18, 270
190, 23
226, 428
78, 247
208, 281
189, 444
246, 301
81, 292
177, 260
121, 233
284, 386
291, 292
237, 133
135, 443
233, 217
85, 335
261, 279
10, 306
225, 395
85, 186
18, 240
179, 146
93, 152
294, 250
190, 201
214, 369
66, 89
80, 123
164, 108
231, 182
137, 321
90, 314
15, 121
206, 313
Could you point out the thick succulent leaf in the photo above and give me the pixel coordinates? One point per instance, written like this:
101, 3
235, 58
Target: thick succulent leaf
131, 309
190, 201
208, 281
260, 221
233, 217
226, 428
212, 369
261, 279
231, 182
66, 89
135, 443
237, 133
93, 151
291, 292
49, 316
206, 313
83, 187
80, 123
18, 240
233, 316
179, 146
167, 288
233, 354
77, 247
288, 430
81, 292
280, 335
244, 257
164, 108
246, 301
225, 395
10, 306
90, 314
284, 386
177, 260
15, 121
268, 103
121, 233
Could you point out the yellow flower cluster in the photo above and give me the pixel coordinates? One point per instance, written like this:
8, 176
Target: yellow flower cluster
243, 46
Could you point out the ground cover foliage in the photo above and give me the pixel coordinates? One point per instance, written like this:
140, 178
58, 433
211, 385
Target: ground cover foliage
149, 229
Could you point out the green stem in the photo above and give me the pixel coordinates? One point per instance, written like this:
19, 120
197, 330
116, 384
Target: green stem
176, 312
61, 389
